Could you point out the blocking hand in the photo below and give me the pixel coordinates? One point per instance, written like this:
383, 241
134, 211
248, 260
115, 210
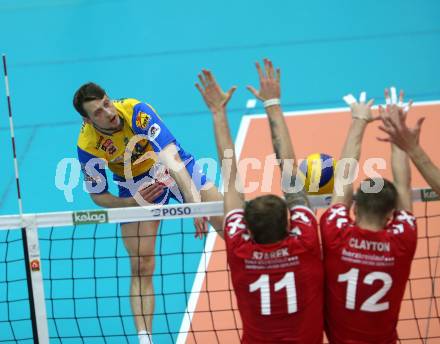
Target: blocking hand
215, 98
269, 82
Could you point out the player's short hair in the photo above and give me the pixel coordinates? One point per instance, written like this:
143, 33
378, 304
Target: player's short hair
376, 204
266, 218
86, 93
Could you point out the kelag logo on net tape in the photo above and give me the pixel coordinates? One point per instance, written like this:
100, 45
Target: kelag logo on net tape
90, 217
429, 195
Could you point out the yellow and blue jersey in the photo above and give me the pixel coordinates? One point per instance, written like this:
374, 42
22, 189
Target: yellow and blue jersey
97, 150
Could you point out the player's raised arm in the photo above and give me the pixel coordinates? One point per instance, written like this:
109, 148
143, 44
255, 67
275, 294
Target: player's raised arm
165, 145
407, 139
361, 116
399, 158
169, 155
216, 100
270, 94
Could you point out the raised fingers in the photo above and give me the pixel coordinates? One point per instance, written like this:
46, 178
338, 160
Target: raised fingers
401, 98
388, 130
407, 107
419, 124
253, 91
202, 80
269, 68
393, 95
349, 99
199, 88
387, 97
231, 91
201, 227
259, 70
382, 111
209, 76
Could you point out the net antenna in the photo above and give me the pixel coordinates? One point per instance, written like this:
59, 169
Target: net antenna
30, 243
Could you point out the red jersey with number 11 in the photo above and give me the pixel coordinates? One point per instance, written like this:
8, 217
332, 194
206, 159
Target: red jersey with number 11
366, 274
279, 287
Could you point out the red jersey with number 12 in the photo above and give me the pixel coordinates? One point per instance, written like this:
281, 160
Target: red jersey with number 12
366, 274
279, 287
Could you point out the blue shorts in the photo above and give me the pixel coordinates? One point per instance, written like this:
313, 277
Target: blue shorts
196, 173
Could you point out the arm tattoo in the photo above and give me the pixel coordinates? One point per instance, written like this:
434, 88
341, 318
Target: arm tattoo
276, 141
296, 198
293, 198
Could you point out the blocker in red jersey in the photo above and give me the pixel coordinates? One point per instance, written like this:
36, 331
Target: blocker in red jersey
368, 259
272, 244
279, 285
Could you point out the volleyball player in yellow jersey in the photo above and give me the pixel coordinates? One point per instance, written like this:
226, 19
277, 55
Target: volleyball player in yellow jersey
156, 169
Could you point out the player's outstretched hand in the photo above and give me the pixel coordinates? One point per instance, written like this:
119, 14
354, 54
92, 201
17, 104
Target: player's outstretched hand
391, 99
201, 224
393, 118
215, 98
361, 109
150, 192
269, 82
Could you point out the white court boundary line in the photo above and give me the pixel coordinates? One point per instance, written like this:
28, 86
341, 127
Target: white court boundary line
207, 250
320, 112
211, 238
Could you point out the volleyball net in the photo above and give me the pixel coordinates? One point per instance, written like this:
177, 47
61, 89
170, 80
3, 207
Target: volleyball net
80, 277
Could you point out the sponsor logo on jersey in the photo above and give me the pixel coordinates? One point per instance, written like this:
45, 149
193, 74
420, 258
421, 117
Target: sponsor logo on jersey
153, 132
90, 217
142, 120
139, 149
35, 265
106, 145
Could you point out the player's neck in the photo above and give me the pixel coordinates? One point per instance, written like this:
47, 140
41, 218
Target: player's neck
370, 226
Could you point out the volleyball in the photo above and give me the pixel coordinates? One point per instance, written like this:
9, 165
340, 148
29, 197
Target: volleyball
317, 173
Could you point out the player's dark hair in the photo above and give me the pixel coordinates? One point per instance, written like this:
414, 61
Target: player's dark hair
266, 218
86, 93
376, 205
